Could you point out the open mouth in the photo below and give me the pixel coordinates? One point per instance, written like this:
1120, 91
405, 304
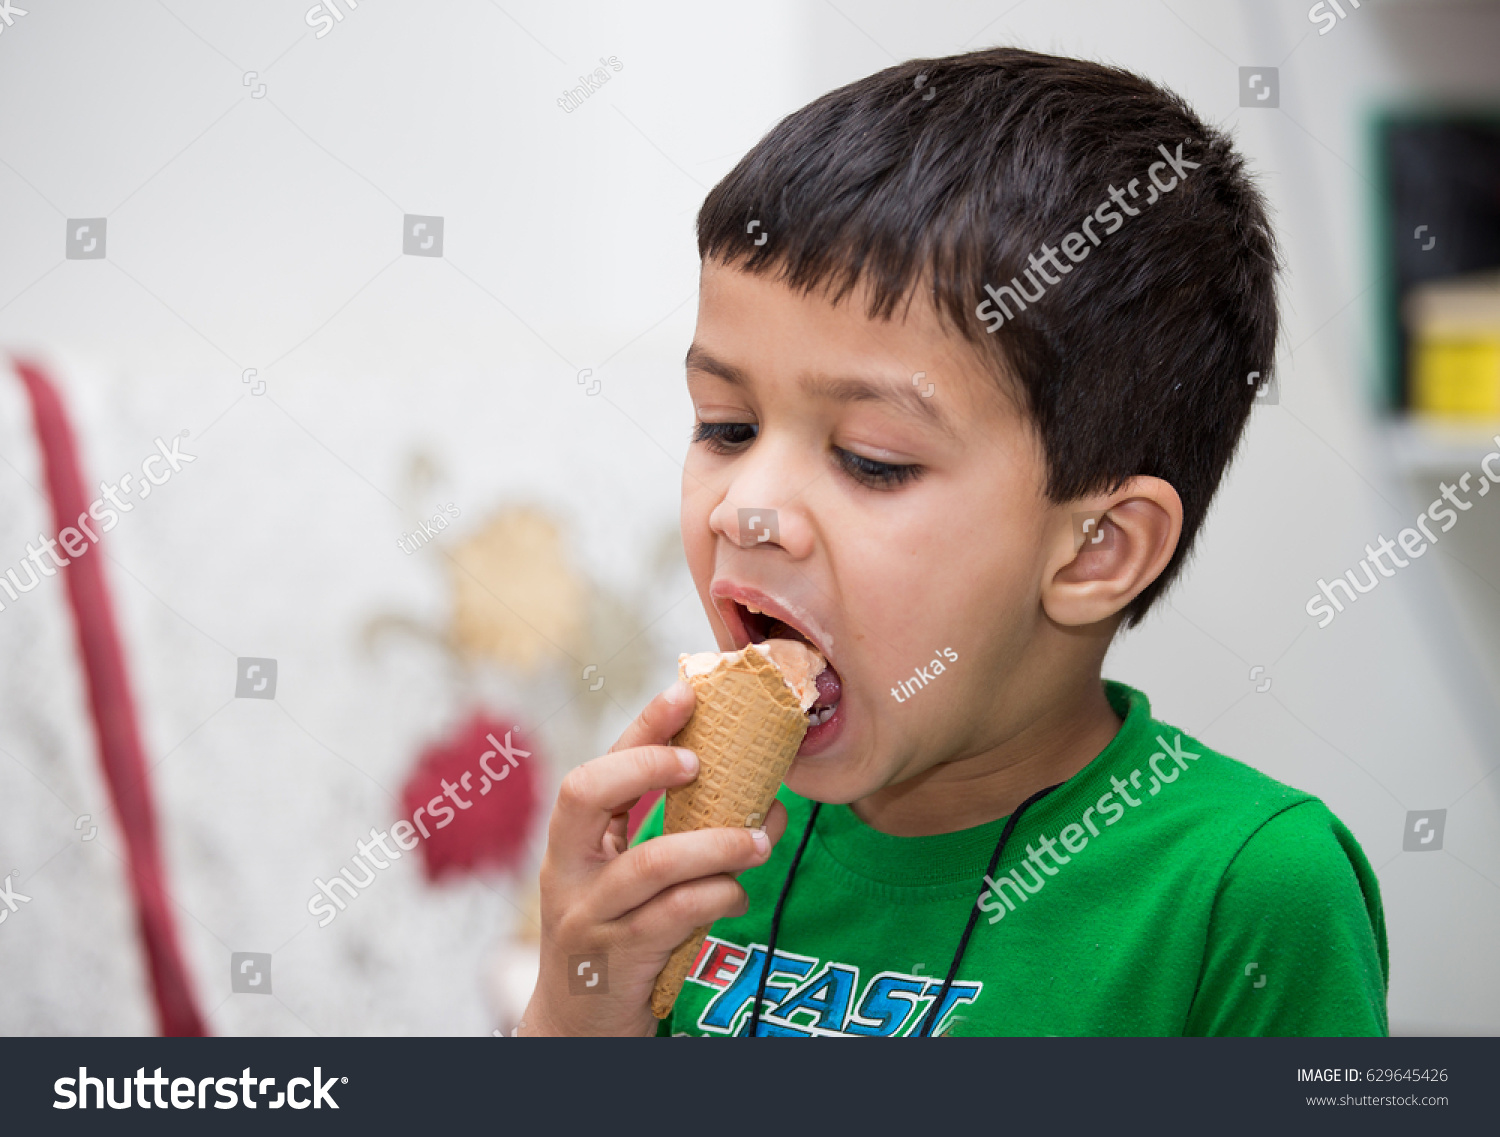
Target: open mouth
761, 626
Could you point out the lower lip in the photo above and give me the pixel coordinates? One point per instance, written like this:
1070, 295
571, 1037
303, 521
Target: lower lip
820, 738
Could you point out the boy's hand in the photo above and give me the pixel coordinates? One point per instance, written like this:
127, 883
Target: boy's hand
610, 910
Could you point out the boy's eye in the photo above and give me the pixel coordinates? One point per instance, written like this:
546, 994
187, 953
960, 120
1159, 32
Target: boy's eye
727, 437
724, 437
876, 475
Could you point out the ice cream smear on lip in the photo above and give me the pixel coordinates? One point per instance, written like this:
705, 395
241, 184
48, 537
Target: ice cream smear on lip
798, 664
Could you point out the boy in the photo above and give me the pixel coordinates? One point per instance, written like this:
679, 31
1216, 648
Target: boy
973, 345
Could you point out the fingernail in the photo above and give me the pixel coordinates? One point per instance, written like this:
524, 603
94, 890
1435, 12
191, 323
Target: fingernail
688, 759
680, 693
762, 841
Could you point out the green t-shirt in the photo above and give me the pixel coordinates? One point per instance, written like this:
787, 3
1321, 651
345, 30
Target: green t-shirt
1163, 890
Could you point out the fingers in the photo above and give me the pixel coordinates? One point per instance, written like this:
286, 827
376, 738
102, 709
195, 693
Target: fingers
634, 877
776, 821
662, 717
589, 818
617, 835
665, 922
594, 793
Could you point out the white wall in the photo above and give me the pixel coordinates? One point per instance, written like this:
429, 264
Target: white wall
265, 233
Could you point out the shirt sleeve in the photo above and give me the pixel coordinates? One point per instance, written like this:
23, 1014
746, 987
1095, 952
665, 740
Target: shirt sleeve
1296, 941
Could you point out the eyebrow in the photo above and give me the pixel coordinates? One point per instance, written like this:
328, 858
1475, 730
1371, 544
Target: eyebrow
839, 390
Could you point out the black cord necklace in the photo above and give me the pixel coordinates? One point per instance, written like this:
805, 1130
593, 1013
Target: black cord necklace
963, 942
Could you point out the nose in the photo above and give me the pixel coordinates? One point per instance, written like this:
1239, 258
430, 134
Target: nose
764, 507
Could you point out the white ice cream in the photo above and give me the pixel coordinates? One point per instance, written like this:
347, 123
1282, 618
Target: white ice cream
798, 664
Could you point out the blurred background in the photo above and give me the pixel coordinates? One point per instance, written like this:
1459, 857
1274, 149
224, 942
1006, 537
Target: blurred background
412, 286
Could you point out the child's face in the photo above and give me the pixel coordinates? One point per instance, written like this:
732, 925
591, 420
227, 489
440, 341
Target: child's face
908, 528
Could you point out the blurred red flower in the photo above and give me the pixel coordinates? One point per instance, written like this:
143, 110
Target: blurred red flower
483, 764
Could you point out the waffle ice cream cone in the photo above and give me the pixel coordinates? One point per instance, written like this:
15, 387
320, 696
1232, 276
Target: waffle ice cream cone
748, 723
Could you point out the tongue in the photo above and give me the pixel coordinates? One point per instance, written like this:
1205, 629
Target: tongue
828, 688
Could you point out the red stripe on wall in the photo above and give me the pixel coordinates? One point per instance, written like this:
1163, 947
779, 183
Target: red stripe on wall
113, 711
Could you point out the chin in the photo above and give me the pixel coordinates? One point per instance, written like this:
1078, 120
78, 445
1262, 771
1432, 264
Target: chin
833, 778
827, 786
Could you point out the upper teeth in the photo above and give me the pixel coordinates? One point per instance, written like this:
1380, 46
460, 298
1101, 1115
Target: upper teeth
752, 608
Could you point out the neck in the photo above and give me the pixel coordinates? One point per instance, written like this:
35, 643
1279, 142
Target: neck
982, 787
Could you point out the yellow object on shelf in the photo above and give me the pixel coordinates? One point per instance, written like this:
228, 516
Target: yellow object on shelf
1455, 347
1457, 377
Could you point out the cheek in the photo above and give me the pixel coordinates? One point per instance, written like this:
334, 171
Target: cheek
952, 575
989, 562
698, 501
897, 578
987, 600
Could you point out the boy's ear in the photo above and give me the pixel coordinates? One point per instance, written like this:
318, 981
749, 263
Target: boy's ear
1108, 549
